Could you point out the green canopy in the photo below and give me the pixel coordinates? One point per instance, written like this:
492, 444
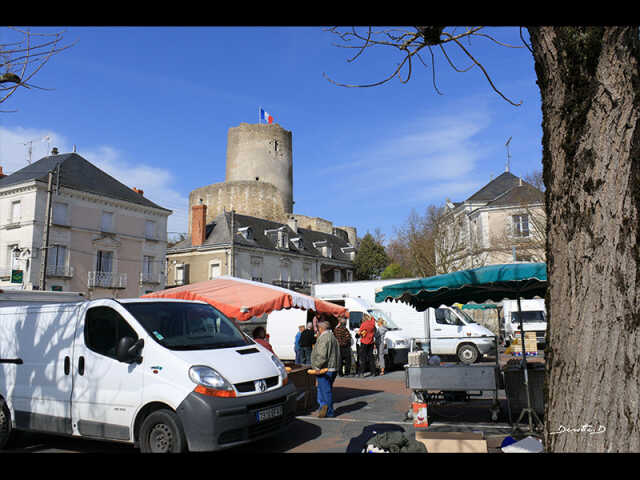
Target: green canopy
479, 306
485, 284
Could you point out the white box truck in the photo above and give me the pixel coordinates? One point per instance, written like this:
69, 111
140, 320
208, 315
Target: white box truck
534, 319
446, 330
164, 375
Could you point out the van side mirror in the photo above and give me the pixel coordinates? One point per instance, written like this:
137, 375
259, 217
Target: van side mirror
129, 350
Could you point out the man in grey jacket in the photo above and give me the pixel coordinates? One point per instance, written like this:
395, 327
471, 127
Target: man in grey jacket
326, 354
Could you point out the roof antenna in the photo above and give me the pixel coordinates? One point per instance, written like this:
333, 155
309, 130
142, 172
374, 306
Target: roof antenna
508, 154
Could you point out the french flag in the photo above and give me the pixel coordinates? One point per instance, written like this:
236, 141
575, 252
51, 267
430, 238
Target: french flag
265, 116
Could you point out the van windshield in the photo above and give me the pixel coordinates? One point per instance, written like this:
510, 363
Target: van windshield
529, 316
379, 314
187, 326
467, 318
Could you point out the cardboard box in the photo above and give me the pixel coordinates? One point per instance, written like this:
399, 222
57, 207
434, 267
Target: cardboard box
453, 442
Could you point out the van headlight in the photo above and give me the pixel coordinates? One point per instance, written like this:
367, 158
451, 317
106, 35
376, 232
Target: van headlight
209, 382
281, 368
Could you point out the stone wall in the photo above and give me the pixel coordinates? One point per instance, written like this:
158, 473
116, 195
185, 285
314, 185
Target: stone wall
256, 199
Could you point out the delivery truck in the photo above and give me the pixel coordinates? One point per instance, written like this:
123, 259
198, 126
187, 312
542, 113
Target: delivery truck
165, 375
447, 331
534, 319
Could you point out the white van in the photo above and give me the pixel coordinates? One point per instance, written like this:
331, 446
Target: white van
450, 331
534, 319
282, 327
11, 297
165, 375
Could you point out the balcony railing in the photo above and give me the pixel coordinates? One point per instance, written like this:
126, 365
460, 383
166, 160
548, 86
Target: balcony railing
292, 285
107, 280
59, 271
150, 277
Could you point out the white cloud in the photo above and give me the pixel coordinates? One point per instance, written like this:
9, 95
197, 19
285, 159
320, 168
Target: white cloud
419, 155
157, 183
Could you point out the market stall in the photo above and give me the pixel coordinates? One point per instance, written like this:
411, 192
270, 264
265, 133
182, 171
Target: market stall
242, 299
486, 284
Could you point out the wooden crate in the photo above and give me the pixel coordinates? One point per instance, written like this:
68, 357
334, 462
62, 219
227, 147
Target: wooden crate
304, 383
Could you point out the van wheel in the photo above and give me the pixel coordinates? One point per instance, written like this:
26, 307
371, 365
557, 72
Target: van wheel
161, 432
468, 354
5, 424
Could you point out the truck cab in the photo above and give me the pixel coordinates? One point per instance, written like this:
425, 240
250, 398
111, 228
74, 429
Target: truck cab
396, 339
452, 332
534, 319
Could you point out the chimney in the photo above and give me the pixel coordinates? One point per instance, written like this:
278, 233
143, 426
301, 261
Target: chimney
198, 224
141, 192
2, 174
293, 223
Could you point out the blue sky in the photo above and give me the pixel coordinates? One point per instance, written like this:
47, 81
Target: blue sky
152, 106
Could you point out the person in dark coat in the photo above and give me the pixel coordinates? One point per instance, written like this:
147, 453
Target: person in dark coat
306, 342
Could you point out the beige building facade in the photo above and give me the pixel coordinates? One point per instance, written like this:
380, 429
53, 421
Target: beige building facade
504, 222
104, 239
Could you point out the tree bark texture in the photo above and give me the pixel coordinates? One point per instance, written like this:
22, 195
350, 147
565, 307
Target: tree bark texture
590, 89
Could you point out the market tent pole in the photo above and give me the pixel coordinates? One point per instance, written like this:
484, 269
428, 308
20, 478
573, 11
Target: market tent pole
529, 411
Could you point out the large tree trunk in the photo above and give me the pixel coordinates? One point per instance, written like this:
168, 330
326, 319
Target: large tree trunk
589, 82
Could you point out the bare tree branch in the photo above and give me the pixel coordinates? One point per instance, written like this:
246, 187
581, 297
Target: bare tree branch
409, 44
21, 60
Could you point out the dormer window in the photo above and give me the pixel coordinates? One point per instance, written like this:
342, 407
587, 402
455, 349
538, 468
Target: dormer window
350, 251
246, 232
297, 241
324, 248
283, 238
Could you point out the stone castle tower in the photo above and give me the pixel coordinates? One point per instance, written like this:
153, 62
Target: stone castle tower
259, 180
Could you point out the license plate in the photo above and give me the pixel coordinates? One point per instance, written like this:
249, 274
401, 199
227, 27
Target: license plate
269, 413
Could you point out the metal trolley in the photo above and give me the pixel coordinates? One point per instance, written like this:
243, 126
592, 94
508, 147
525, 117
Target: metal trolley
451, 382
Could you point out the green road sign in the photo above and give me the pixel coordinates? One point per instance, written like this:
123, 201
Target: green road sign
16, 276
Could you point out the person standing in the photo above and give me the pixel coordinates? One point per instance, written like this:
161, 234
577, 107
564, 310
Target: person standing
381, 345
296, 345
344, 342
260, 336
307, 339
367, 333
326, 354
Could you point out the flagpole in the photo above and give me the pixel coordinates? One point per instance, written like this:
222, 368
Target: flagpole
259, 109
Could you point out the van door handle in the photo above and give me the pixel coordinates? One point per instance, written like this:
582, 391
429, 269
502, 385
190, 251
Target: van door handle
67, 365
81, 365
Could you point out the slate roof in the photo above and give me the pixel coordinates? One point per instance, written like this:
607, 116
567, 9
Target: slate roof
520, 195
506, 190
218, 232
495, 187
79, 174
